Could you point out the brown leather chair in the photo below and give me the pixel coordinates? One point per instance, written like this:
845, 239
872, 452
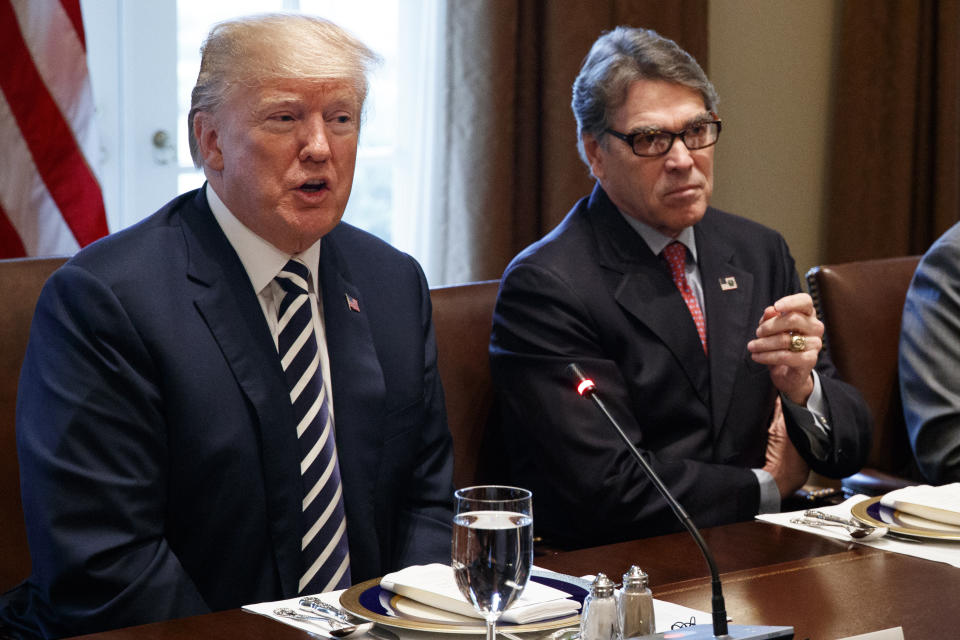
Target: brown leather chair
20, 284
462, 318
861, 303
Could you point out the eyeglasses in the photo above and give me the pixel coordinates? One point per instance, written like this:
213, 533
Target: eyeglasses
650, 144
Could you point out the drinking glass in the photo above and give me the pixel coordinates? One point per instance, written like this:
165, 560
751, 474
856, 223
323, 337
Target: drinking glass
492, 547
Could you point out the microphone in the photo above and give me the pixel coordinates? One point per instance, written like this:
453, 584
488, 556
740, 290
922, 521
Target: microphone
587, 388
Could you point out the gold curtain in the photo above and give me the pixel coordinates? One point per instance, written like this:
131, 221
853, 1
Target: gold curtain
513, 170
895, 179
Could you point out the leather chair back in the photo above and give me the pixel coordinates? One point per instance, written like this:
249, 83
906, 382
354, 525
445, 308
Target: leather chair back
20, 283
861, 304
462, 319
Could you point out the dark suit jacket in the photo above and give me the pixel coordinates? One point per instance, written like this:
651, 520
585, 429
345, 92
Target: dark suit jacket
929, 356
157, 447
592, 292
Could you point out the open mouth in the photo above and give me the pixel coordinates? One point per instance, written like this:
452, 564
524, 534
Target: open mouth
313, 186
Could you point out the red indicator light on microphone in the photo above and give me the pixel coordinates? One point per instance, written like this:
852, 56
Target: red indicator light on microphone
586, 385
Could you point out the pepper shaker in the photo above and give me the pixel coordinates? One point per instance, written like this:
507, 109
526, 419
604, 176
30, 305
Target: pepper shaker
599, 620
636, 604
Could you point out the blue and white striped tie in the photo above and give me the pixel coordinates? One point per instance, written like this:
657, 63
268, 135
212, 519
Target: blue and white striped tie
326, 558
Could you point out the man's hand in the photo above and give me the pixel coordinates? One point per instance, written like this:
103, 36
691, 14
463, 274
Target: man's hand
784, 463
790, 322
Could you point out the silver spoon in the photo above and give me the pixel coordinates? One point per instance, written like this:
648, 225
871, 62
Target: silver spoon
360, 627
848, 522
861, 533
345, 631
318, 606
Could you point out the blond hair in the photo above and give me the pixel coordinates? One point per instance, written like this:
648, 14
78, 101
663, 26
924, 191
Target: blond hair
248, 50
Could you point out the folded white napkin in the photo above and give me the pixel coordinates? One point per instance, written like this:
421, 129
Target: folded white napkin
434, 585
941, 504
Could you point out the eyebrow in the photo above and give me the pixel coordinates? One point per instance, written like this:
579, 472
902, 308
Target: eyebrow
706, 116
281, 100
272, 102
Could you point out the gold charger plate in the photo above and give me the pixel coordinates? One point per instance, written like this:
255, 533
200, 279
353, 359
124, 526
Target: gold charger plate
875, 514
368, 600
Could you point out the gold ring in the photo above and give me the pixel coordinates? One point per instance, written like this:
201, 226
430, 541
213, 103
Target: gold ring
798, 344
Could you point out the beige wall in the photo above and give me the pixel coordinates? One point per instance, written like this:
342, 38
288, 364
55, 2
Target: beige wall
771, 61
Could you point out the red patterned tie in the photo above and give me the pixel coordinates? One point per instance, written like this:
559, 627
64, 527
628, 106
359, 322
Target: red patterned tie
676, 255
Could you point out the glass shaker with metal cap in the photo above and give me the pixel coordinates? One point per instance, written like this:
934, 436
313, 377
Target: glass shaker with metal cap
599, 620
636, 604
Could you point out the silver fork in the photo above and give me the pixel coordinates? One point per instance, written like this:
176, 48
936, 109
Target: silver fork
823, 515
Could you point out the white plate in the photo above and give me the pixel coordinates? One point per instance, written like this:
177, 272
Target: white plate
368, 600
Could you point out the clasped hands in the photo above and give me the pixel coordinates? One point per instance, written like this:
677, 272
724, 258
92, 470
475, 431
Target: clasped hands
789, 339
791, 360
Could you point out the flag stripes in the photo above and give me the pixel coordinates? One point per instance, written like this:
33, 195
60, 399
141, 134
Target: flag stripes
46, 117
10, 244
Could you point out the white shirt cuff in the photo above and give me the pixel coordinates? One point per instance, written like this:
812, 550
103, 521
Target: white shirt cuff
817, 405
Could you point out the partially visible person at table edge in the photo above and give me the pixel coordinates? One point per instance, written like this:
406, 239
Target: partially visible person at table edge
175, 423
691, 320
929, 359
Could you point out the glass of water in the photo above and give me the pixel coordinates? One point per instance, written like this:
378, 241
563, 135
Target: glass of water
492, 547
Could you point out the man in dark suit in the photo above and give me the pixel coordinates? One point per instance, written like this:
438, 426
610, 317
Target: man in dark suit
690, 320
929, 353
165, 468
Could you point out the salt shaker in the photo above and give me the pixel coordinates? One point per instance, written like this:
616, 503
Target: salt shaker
599, 620
636, 604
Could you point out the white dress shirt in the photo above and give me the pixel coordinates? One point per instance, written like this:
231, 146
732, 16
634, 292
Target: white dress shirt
262, 262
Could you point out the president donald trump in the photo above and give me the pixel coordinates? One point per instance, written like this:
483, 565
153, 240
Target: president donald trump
237, 399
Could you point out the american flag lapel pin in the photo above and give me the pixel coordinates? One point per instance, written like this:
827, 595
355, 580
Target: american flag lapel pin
728, 284
352, 303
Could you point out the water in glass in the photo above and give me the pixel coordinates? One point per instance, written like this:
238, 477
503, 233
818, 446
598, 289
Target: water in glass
492, 548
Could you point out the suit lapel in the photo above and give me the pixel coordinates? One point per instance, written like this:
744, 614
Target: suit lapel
359, 389
728, 312
647, 292
232, 311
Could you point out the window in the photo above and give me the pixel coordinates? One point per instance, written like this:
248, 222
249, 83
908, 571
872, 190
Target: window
144, 58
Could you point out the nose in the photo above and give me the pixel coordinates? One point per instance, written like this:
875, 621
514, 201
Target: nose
315, 146
679, 157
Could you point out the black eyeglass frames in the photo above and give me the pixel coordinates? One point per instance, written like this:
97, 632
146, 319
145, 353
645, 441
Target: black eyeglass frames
650, 144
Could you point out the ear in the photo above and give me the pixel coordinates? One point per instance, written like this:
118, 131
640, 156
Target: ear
206, 129
595, 155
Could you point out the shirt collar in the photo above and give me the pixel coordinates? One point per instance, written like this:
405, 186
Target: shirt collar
261, 260
658, 241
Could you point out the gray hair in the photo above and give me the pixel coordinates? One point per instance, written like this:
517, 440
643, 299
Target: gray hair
248, 50
618, 59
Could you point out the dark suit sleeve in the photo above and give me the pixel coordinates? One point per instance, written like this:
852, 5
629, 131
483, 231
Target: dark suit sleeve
93, 458
426, 517
587, 488
929, 361
840, 449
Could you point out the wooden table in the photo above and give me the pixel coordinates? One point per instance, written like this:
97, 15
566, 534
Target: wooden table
825, 589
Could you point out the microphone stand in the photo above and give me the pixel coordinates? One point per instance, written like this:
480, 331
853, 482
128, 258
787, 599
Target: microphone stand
588, 388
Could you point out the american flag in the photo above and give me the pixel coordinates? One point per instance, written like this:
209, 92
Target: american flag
50, 199
352, 303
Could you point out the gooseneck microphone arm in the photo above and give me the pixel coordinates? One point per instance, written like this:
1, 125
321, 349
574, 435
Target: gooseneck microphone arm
587, 388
